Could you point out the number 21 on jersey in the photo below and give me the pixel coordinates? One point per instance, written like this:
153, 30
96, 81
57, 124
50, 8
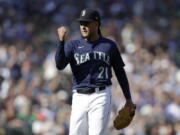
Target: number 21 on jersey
103, 72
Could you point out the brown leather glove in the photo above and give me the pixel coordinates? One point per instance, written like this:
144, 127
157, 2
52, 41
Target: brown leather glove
125, 116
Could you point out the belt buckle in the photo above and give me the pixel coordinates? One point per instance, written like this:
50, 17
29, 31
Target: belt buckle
74, 91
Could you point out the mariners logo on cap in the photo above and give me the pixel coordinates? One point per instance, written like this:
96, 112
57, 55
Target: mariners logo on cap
83, 12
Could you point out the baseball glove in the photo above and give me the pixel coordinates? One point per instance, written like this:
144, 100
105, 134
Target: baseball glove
125, 116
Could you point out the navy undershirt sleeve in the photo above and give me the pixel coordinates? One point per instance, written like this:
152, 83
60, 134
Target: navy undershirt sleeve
62, 55
123, 81
118, 64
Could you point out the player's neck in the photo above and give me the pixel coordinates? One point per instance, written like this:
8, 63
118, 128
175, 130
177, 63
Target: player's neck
92, 38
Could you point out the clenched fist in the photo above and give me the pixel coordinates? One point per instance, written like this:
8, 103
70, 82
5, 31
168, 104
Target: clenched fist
62, 33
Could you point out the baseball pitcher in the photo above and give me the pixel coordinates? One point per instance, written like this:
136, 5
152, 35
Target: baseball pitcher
92, 58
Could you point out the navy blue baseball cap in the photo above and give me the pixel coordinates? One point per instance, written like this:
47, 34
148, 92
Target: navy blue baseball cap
89, 15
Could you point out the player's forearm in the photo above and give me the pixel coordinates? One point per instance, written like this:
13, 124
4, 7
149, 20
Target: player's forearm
60, 58
123, 81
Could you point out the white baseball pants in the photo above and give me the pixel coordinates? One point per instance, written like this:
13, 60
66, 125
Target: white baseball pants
90, 112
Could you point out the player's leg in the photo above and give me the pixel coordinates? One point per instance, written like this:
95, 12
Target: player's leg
99, 112
78, 120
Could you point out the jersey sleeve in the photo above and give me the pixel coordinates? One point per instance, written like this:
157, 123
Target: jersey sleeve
116, 58
63, 54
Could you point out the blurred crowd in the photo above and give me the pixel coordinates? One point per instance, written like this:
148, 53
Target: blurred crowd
35, 98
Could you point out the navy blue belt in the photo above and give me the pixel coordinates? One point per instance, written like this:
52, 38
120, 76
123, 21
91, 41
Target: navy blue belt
91, 90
